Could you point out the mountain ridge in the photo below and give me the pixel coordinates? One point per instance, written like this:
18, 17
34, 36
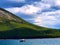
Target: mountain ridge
14, 27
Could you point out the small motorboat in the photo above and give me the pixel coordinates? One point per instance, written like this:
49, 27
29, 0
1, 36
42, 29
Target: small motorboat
22, 40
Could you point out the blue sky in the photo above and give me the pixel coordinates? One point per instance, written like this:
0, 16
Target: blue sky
44, 13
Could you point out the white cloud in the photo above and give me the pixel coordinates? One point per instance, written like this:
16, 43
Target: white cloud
52, 2
13, 10
46, 19
42, 5
30, 9
57, 2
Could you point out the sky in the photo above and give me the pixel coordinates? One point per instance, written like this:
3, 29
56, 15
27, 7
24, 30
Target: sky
44, 13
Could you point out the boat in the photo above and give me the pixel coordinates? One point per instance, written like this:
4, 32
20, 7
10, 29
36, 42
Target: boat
22, 40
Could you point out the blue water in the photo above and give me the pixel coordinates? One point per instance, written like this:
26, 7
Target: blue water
55, 41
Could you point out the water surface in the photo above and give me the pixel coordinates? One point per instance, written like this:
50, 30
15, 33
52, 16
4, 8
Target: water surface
55, 41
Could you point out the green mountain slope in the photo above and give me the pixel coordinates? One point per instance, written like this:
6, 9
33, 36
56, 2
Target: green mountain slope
13, 27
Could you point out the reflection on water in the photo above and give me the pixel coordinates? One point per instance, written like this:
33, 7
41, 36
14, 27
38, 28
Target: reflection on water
55, 41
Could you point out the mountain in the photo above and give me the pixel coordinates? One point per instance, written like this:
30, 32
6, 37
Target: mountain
14, 27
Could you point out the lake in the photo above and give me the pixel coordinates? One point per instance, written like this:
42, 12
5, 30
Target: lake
52, 41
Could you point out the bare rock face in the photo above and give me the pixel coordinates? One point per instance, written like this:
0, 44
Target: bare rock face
5, 15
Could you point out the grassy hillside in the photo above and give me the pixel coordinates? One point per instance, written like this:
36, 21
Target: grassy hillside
14, 27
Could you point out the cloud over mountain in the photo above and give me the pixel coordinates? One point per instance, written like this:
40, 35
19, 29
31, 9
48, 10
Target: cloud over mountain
45, 12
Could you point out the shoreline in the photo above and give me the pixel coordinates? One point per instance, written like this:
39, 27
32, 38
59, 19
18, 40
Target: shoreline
30, 38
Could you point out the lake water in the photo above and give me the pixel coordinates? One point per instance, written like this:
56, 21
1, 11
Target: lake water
54, 41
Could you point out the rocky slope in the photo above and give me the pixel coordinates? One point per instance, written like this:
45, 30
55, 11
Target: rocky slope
13, 27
